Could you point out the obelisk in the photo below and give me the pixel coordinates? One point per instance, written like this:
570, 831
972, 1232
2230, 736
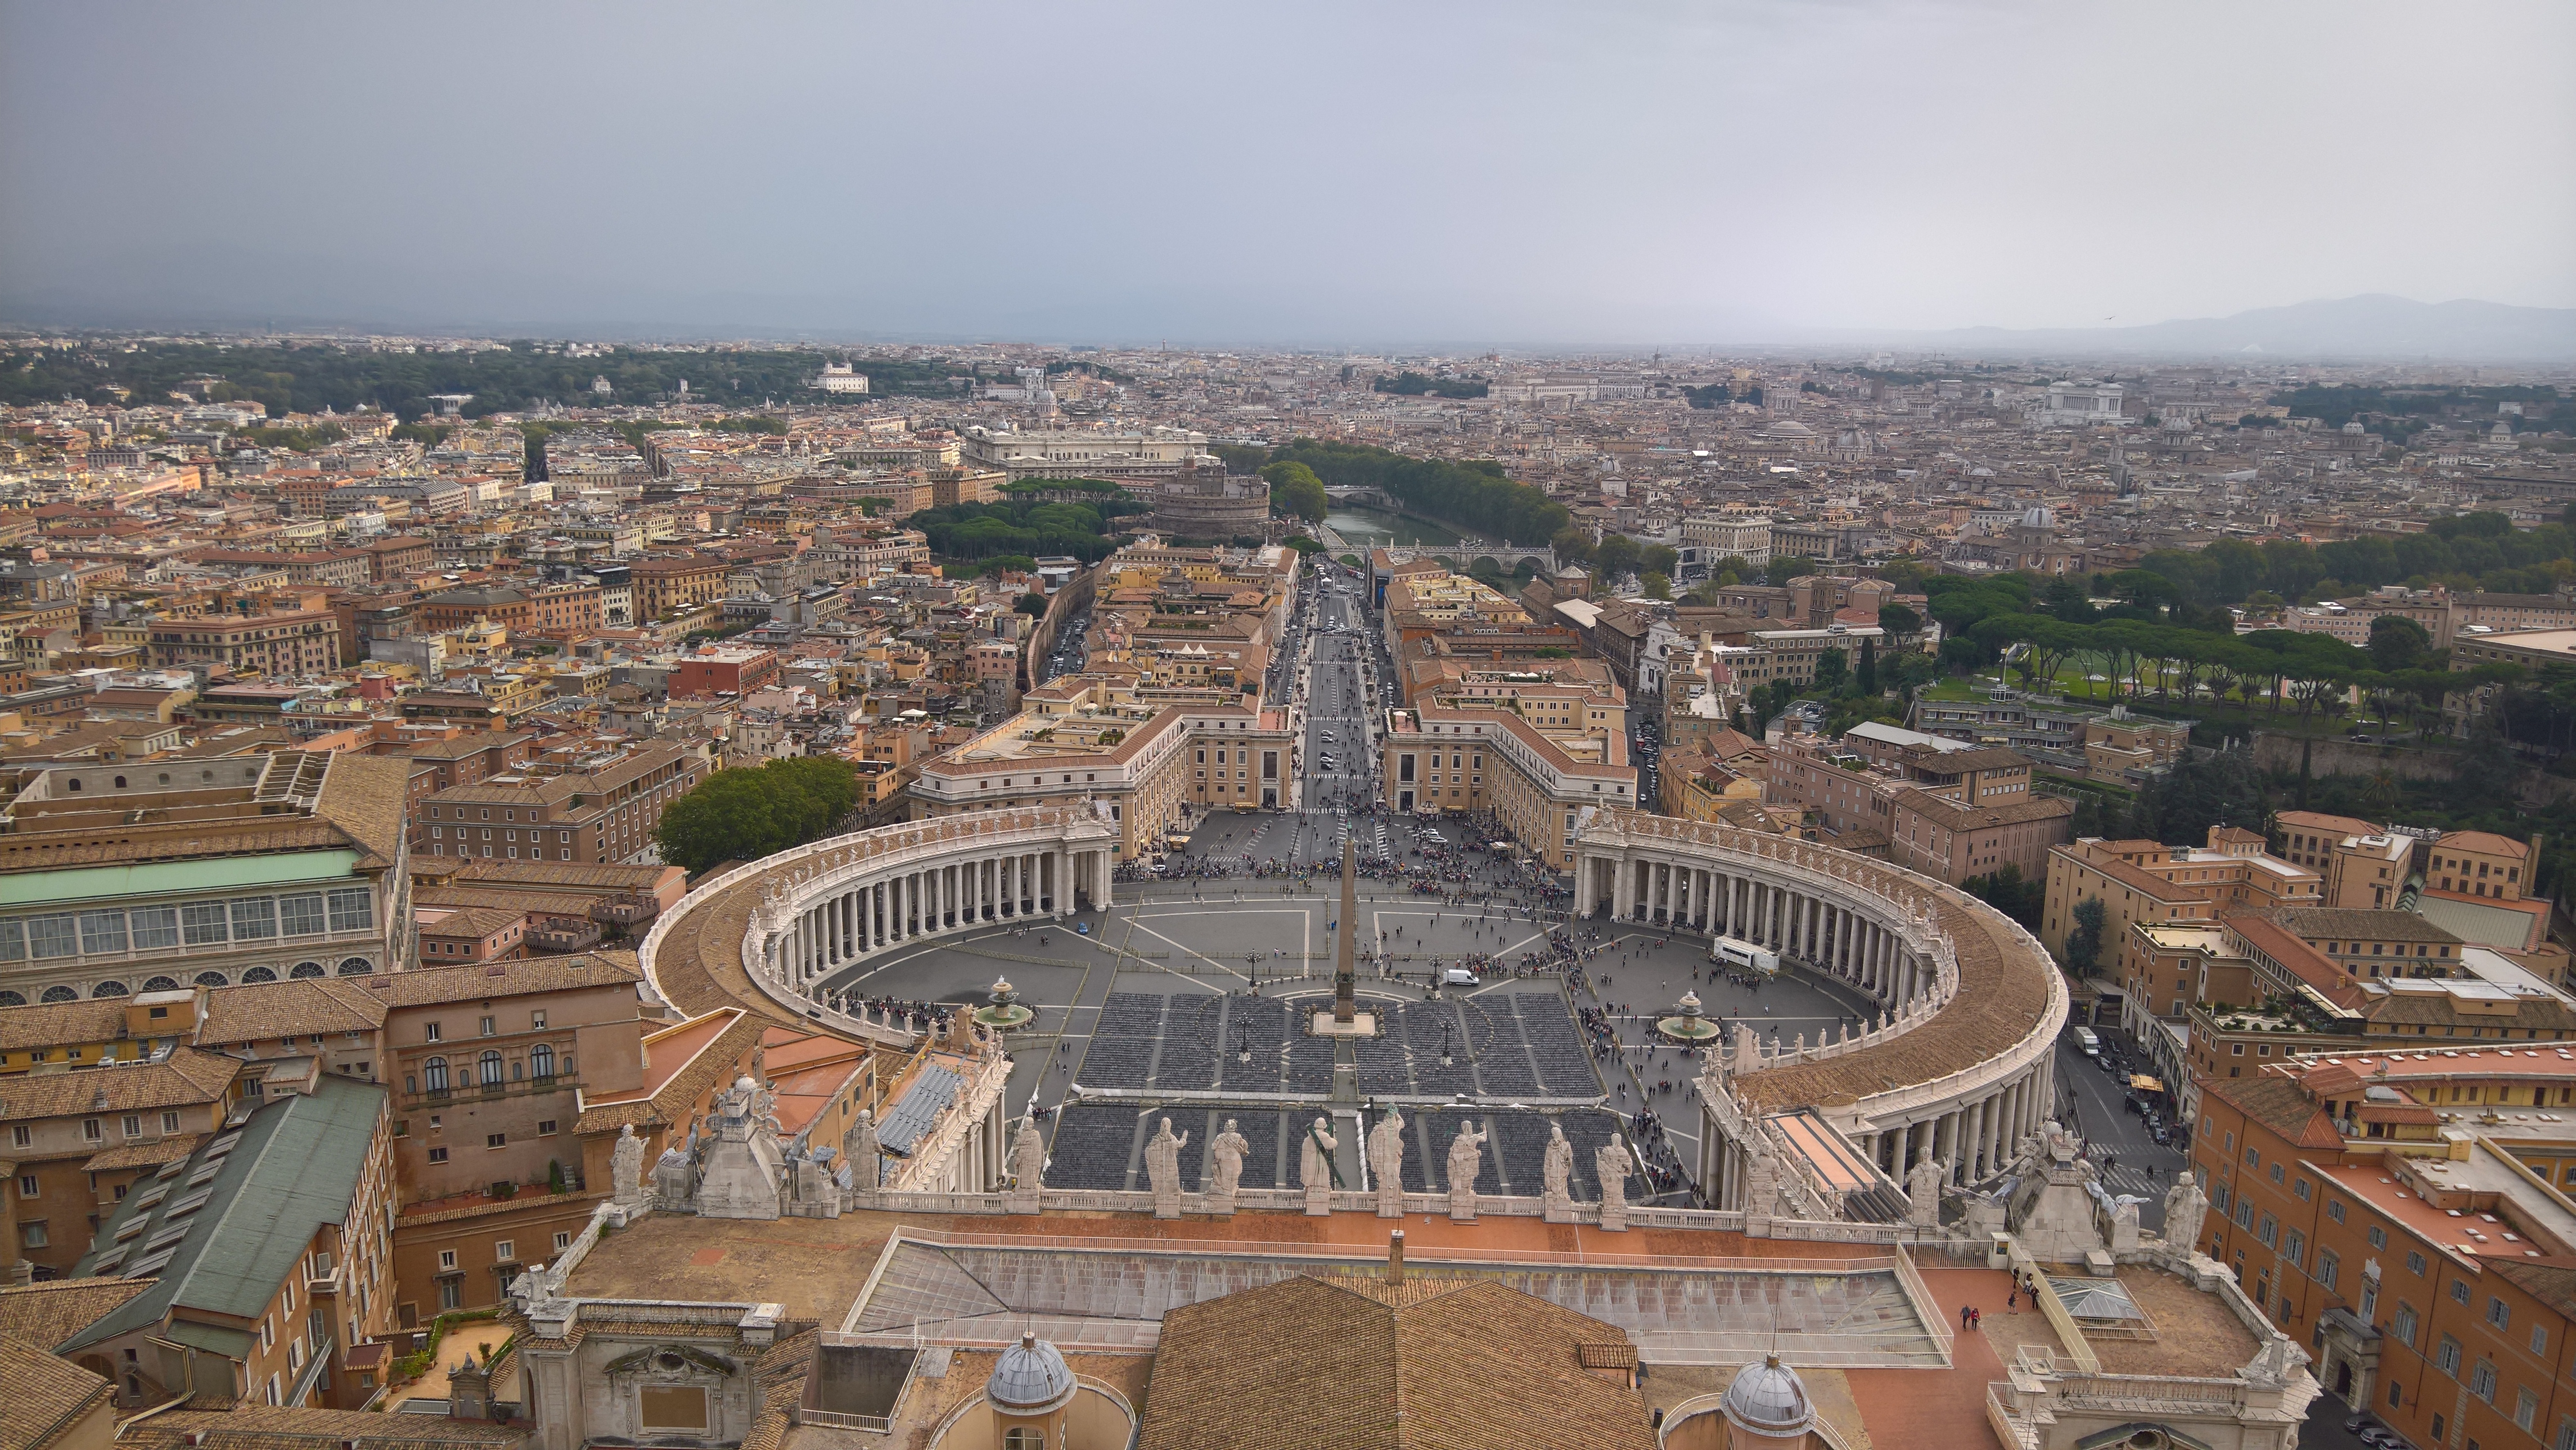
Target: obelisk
1345, 974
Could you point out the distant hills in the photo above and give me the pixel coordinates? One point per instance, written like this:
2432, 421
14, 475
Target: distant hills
2373, 326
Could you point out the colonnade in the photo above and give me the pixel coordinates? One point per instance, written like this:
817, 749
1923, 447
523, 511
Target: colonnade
887, 907
1854, 944
1830, 916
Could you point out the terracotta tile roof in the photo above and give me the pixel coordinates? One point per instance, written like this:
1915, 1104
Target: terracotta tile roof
47, 1397
56, 1024
1429, 1362
2351, 923
1953, 816
2278, 1103
281, 1427
187, 1076
50, 1312
296, 1007
150, 1153
2552, 1281
433, 985
519, 1203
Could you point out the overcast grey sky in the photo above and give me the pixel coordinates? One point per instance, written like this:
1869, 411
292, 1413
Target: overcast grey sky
1305, 171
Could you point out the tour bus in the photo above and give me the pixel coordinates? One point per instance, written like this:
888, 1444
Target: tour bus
1745, 956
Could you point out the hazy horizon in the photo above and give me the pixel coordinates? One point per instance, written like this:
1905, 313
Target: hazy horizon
1327, 175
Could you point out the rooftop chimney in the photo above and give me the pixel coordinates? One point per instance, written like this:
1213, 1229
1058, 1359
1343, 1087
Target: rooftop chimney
1395, 1257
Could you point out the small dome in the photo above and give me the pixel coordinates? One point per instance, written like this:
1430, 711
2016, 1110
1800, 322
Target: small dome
2039, 517
1031, 1376
1768, 1397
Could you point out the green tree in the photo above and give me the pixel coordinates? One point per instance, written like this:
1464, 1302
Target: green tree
1656, 585
1785, 567
2084, 940
1901, 623
1615, 557
745, 814
1831, 668
1869, 667
2180, 806
2397, 643
1032, 604
1296, 491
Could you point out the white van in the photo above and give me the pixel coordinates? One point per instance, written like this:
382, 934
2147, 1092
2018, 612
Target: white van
2089, 1043
1457, 977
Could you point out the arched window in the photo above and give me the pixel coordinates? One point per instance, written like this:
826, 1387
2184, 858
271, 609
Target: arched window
59, 994
491, 1069
306, 970
260, 974
109, 989
213, 979
1023, 1438
434, 1073
541, 1061
13, 999
355, 966
162, 984
120, 782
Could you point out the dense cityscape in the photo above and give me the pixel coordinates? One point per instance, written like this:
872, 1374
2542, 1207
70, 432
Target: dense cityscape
1225, 729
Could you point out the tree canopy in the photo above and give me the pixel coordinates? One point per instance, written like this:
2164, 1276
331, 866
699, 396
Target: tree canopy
1296, 491
745, 814
1472, 495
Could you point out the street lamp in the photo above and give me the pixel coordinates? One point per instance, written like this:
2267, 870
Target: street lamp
1446, 1059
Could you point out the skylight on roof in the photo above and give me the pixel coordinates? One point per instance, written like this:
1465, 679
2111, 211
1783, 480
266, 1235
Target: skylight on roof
152, 1265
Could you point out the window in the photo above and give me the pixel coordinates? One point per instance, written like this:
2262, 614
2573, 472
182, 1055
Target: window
2447, 1358
352, 909
133, 1125
563, 1241
2499, 1313
496, 1140
91, 1132
504, 1250
2270, 1232
301, 913
2378, 1236
155, 928
536, 1021
2402, 1324
434, 1073
2329, 1268
451, 1293
2295, 1252
490, 1065
203, 925
2301, 1189
254, 918
429, 1032
437, 1155
2540, 1340
2482, 1380
51, 936
545, 1127
33, 1235
2526, 1408
2334, 1209
22, 1136
2459, 1291
2415, 1263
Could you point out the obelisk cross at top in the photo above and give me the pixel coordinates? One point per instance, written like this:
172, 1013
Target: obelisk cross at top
1344, 977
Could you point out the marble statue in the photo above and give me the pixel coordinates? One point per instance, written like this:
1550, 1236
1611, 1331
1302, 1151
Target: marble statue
626, 1169
859, 1155
1611, 1163
1228, 1149
1558, 1196
1163, 1169
1315, 1167
1466, 1161
1386, 1163
1923, 1191
1027, 1163
2184, 1206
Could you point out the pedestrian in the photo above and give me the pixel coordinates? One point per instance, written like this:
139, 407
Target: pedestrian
1963, 1317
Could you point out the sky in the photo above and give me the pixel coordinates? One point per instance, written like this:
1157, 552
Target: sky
1308, 173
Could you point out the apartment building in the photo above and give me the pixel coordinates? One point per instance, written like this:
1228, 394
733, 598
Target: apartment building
604, 811
268, 1251
1436, 760
2387, 1211
79, 1140
2150, 881
666, 585
294, 636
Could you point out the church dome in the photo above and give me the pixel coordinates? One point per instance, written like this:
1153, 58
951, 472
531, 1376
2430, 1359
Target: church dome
1031, 1378
2039, 517
1768, 1398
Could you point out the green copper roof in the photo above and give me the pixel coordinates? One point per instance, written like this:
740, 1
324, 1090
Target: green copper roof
172, 878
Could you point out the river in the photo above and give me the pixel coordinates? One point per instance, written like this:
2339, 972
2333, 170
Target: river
1371, 527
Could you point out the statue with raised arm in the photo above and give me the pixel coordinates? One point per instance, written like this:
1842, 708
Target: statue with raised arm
1466, 1161
626, 1169
1163, 1169
1557, 1197
1612, 1164
1315, 1172
1228, 1149
1923, 1191
1386, 1163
